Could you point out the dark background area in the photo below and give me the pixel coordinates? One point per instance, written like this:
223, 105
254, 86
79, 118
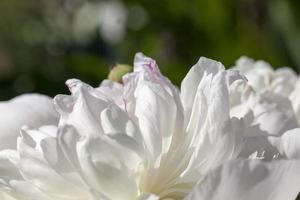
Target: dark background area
45, 42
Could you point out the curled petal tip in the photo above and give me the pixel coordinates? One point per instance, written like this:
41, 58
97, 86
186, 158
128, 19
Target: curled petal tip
72, 83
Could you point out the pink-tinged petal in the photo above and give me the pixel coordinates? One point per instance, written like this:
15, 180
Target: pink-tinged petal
154, 104
146, 71
251, 179
144, 63
33, 110
150, 98
148, 68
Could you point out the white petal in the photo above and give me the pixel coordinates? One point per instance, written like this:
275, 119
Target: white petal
260, 147
82, 109
104, 167
151, 99
36, 170
288, 144
258, 73
31, 109
8, 168
274, 114
251, 179
267, 147
154, 106
6, 196
25, 190
215, 137
116, 120
112, 90
67, 140
190, 83
295, 99
148, 197
284, 81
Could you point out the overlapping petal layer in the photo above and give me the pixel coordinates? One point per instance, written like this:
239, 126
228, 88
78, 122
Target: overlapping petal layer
146, 140
31, 109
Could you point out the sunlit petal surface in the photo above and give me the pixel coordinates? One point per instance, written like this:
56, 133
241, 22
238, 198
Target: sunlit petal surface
218, 137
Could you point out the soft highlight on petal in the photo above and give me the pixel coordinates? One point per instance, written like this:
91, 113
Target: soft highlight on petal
30, 109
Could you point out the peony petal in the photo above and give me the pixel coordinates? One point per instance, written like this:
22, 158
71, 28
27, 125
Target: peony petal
105, 165
153, 106
6, 196
288, 144
258, 73
82, 109
101, 162
8, 168
151, 99
261, 145
113, 90
274, 114
24, 190
38, 172
31, 109
148, 197
283, 82
190, 83
214, 136
295, 99
116, 120
251, 179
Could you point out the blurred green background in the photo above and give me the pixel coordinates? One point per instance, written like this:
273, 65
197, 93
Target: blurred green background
45, 42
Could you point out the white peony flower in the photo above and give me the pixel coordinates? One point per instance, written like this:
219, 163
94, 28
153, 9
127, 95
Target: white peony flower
32, 109
263, 78
145, 140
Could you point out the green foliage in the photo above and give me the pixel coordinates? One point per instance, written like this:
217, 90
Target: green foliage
43, 43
